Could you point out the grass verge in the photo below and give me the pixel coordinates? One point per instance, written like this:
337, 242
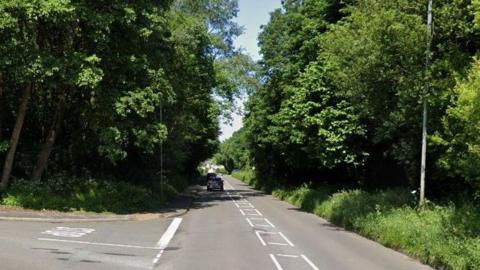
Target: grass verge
80, 194
444, 236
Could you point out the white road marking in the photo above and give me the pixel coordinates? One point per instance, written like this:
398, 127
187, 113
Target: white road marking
277, 244
286, 239
244, 205
288, 256
250, 212
169, 233
94, 243
69, 232
162, 244
309, 262
258, 233
260, 238
277, 264
269, 223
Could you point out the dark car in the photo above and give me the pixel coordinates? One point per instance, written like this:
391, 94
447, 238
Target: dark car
214, 183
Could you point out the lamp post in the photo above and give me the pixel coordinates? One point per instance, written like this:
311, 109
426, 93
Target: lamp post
424, 122
161, 153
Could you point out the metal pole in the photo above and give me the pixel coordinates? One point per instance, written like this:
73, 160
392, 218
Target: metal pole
161, 154
425, 114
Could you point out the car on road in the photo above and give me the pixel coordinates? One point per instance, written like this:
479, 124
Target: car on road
214, 182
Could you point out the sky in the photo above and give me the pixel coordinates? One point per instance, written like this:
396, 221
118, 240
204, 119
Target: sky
253, 14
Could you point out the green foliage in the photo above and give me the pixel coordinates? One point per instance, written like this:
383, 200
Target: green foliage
462, 124
232, 153
116, 82
442, 236
342, 92
79, 194
247, 176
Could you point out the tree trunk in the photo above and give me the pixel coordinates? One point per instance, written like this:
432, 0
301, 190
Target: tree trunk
42, 159
22, 111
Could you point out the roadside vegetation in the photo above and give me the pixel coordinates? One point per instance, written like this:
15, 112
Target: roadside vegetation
87, 195
335, 127
444, 236
441, 234
92, 92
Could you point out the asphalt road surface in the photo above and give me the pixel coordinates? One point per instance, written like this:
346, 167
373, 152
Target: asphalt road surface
239, 228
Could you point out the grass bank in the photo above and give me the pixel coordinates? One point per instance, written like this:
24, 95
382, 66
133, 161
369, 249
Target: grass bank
445, 236
81, 194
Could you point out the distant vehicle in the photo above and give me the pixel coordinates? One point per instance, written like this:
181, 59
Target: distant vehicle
214, 182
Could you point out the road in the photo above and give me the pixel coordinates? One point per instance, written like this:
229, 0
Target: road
237, 229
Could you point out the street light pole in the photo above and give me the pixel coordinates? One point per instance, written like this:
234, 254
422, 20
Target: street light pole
424, 122
161, 153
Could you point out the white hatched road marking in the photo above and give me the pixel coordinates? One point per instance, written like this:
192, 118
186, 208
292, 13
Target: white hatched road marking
258, 233
250, 212
260, 238
277, 264
286, 239
310, 262
288, 256
244, 205
250, 221
277, 244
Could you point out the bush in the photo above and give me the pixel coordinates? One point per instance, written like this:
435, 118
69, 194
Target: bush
246, 176
79, 194
442, 236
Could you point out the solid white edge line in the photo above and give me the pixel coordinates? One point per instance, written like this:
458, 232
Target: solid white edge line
249, 222
169, 233
277, 264
286, 239
260, 238
309, 262
94, 243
